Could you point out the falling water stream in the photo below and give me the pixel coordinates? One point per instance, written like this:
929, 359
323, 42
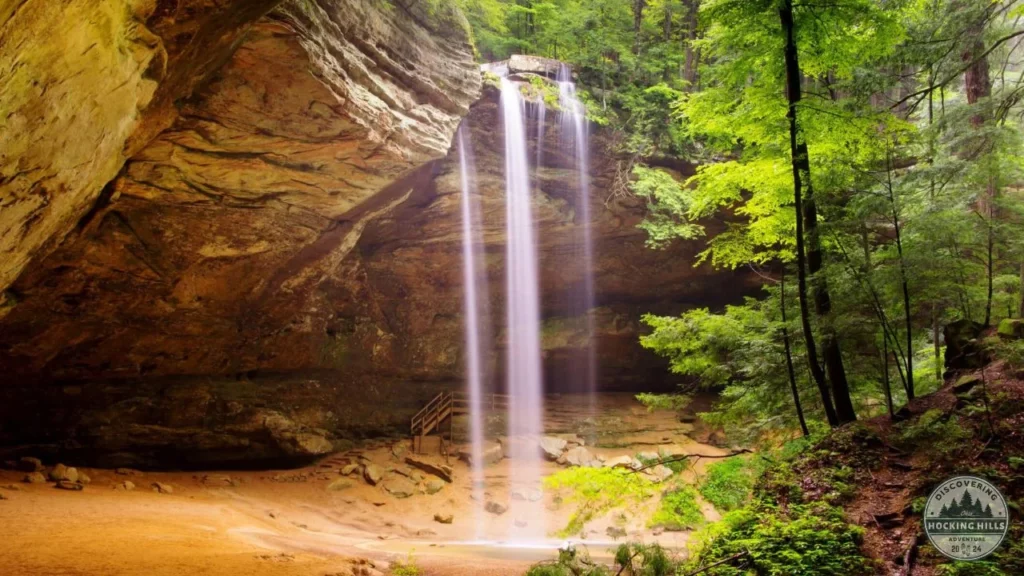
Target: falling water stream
575, 139
525, 386
524, 377
475, 286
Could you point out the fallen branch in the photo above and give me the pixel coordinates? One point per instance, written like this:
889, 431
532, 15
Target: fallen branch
686, 457
720, 562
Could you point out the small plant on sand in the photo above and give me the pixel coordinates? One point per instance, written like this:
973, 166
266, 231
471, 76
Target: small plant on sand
571, 562
595, 491
407, 567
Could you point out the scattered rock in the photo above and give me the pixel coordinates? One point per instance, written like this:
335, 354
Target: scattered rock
492, 454
35, 478
442, 471
444, 518
965, 383
399, 450
552, 447
527, 494
68, 485
61, 472
434, 485
495, 508
219, 480
127, 486
339, 485
372, 474
902, 414
511, 445
350, 469
571, 440
622, 462
30, 464
128, 472
615, 532
579, 456
520, 523
162, 488
400, 487
658, 473
84, 478
13, 487
3, 496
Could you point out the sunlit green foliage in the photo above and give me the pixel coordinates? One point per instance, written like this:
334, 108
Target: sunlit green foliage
678, 510
592, 492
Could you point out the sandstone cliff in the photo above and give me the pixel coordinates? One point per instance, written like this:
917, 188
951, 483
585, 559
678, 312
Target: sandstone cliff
276, 267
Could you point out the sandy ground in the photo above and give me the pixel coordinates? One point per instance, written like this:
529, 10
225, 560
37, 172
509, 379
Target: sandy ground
288, 522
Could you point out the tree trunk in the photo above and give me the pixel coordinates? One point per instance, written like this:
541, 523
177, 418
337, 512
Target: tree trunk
807, 211
886, 383
667, 31
692, 56
935, 341
806, 216
638, 18
789, 356
909, 327
1020, 309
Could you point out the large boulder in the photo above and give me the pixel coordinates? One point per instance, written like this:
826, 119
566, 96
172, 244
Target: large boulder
580, 456
552, 447
1011, 328
400, 487
964, 349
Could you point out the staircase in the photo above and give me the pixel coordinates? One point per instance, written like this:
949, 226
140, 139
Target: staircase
441, 409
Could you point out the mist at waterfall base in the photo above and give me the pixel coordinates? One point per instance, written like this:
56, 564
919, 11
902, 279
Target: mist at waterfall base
523, 370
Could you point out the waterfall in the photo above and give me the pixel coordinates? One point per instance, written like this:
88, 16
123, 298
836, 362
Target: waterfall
575, 137
475, 286
525, 387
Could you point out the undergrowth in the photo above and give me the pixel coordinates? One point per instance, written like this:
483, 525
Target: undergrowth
679, 509
728, 483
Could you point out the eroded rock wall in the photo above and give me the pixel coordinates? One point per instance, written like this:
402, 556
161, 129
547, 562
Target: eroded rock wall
205, 254
86, 83
276, 267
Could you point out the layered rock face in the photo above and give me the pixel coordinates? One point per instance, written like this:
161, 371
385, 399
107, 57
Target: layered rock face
277, 265
218, 231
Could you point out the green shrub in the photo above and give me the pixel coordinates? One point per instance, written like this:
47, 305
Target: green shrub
728, 483
639, 559
977, 568
933, 429
679, 510
810, 540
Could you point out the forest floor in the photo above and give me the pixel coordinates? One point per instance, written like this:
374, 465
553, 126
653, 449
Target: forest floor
971, 426
283, 523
